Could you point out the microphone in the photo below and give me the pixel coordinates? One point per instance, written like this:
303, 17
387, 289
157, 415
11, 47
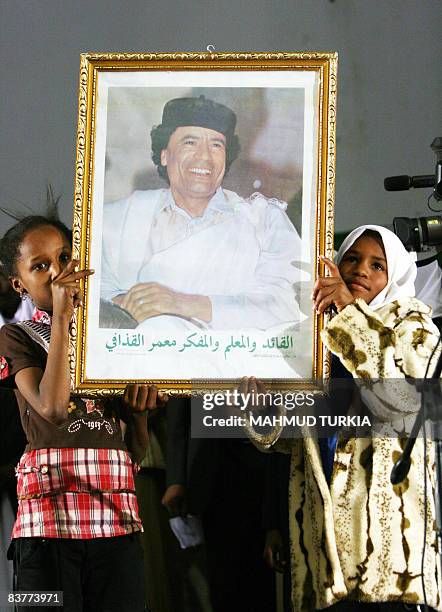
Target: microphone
404, 182
400, 469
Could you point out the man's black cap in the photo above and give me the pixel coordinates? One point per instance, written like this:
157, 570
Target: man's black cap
199, 112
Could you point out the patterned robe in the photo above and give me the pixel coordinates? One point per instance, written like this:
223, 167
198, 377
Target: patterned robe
361, 537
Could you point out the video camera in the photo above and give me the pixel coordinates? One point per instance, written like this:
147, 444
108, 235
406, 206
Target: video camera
420, 233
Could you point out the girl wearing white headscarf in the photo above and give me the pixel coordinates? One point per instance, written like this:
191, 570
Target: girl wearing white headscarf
401, 264
356, 540
373, 531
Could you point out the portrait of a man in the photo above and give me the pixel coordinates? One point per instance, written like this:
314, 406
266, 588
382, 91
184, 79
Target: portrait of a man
199, 210
194, 254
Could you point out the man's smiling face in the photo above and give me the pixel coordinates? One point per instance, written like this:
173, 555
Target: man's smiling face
195, 159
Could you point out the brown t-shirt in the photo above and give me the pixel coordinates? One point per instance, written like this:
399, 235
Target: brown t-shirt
90, 423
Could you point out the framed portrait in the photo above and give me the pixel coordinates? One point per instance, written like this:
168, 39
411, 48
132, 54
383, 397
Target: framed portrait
204, 196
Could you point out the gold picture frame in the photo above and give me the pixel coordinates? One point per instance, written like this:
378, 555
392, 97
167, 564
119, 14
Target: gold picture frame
285, 104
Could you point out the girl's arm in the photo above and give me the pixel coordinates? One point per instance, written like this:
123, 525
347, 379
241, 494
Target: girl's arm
137, 401
394, 342
136, 437
254, 389
385, 349
48, 392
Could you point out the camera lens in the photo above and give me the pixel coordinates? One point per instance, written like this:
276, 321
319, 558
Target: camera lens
418, 233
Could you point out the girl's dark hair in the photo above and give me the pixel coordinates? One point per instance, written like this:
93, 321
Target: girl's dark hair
12, 240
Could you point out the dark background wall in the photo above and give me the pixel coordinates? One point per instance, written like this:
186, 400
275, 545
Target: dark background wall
389, 83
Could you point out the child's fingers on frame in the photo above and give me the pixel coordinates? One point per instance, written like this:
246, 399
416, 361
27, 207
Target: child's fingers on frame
252, 387
134, 395
163, 398
325, 292
243, 385
247, 385
261, 388
324, 281
322, 294
331, 267
316, 288
257, 390
78, 298
75, 276
141, 398
324, 304
327, 260
70, 266
74, 295
71, 288
152, 397
130, 394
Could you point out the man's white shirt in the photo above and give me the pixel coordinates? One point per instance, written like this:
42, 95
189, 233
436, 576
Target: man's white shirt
242, 253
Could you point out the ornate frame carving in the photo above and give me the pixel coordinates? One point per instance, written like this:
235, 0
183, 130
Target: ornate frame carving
91, 65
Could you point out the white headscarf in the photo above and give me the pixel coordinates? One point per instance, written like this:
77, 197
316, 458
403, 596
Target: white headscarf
400, 263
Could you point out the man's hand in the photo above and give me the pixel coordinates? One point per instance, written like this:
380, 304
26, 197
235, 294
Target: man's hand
139, 399
146, 300
274, 551
174, 500
331, 289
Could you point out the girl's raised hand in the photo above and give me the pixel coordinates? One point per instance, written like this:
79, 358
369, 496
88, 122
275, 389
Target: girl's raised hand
66, 292
331, 290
